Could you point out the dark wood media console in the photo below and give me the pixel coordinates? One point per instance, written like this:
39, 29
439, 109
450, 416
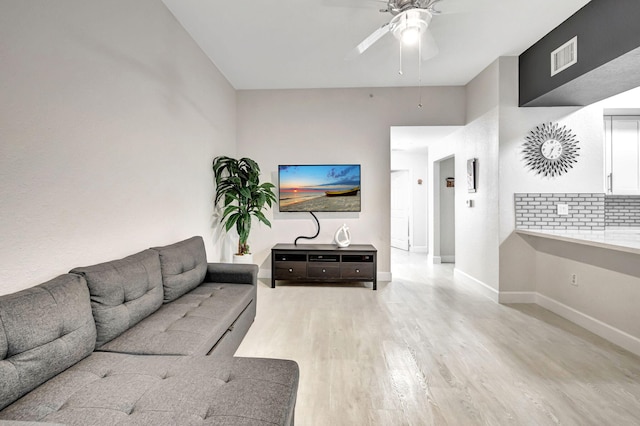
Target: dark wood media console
323, 263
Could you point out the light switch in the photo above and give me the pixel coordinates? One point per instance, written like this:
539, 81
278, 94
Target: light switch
563, 209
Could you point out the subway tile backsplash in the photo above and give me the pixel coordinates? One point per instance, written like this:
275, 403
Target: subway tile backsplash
622, 211
593, 211
539, 211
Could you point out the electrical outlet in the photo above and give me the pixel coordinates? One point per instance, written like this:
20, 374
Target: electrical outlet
574, 279
563, 209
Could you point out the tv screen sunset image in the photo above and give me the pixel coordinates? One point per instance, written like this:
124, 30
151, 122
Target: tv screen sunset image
319, 188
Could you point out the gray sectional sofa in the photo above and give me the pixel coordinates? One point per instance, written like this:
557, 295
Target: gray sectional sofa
148, 339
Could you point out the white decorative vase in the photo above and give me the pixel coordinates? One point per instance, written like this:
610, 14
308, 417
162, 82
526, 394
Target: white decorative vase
343, 236
243, 258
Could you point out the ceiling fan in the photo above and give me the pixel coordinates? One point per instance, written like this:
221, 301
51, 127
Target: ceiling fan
409, 24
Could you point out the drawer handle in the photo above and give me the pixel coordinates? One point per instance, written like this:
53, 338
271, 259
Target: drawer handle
358, 271
324, 270
290, 269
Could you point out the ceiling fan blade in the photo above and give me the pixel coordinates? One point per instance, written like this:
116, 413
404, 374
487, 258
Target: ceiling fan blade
429, 47
430, 5
369, 41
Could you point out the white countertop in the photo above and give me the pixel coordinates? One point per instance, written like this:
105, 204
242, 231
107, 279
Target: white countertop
620, 239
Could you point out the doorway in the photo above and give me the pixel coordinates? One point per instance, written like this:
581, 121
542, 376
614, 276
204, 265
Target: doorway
411, 172
400, 206
447, 210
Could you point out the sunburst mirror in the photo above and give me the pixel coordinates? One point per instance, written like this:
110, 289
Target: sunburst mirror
550, 150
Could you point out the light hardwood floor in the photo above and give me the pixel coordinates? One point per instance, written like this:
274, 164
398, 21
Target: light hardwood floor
428, 350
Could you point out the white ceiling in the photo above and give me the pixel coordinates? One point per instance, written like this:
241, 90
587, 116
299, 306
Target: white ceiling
287, 44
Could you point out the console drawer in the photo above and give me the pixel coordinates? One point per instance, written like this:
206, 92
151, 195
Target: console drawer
361, 271
290, 270
319, 270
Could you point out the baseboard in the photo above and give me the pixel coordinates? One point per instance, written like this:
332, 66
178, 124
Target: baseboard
436, 260
604, 330
448, 259
486, 289
518, 297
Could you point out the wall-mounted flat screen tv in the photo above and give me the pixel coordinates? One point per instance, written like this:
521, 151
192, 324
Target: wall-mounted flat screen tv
319, 188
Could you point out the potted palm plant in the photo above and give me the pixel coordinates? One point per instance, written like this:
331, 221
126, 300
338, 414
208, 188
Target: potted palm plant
243, 197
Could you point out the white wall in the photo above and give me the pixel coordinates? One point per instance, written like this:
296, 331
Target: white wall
415, 161
517, 271
604, 299
516, 123
477, 227
602, 293
336, 125
109, 120
586, 176
541, 272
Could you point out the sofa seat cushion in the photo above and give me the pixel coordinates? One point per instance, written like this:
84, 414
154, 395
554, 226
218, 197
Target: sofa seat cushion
43, 331
190, 325
121, 389
184, 265
123, 292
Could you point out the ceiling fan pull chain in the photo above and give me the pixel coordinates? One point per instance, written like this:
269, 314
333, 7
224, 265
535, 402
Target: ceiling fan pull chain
420, 72
400, 70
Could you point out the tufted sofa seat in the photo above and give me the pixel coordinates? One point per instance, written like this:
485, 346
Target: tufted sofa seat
194, 324
119, 389
145, 340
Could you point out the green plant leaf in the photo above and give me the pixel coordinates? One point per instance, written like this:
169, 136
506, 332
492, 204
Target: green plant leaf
242, 195
231, 221
229, 210
245, 192
262, 218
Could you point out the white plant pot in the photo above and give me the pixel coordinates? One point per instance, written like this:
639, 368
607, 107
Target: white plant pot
243, 258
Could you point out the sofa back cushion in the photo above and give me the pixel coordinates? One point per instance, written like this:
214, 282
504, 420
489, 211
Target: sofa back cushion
43, 331
184, 266
123, 292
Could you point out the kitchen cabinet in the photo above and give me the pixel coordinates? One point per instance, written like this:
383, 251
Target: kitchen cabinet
622, 154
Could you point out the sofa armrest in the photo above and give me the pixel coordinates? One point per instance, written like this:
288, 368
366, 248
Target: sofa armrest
232, 273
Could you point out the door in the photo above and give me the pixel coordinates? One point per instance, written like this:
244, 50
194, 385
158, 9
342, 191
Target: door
624, 174
447, 211
400, 202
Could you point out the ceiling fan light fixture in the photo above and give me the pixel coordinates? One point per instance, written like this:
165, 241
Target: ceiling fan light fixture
409, 25
410, 36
